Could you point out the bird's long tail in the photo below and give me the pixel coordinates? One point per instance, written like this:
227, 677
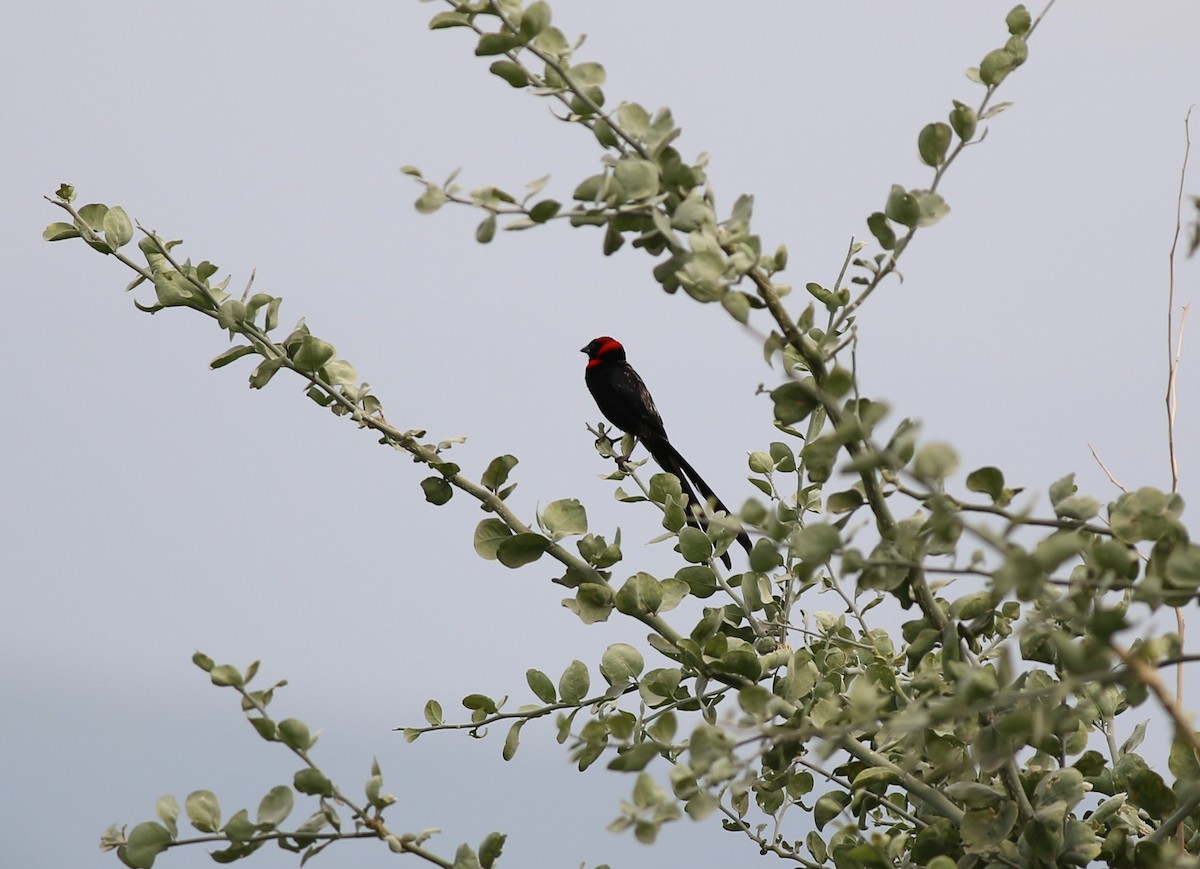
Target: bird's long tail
672, 462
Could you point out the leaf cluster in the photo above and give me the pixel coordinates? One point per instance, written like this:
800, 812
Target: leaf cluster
971, 736
240, 837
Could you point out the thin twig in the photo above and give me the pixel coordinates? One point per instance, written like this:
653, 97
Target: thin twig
1174, 349
1174, 355
1146, 674
1104, 468
1184, 729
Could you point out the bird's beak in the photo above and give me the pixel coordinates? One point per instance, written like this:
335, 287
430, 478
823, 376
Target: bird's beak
583, 350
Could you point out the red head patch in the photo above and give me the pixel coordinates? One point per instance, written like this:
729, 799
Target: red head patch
604, 349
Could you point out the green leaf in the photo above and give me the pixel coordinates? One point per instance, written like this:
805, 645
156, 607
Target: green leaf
146, 841
496, 43
340, 372
311, 354
552, 41
437, 490
638, 178
760, 462
1019, 20
931, 205
700, 579
1183, 567
612, 239
932, 143
225, 675
694, 545
521, 549
486, 230
431, 200
902, 207
621, 663
238, 828
964, 120
641, 594
534, 20
118, 229
433, 713
465, 858
739, 217
737, 304
816, 543
995, 65
604, 134
633, 119
1146, 514
203, 811
1057, 548
593, 602
816, 846
489, 534
590, 188
658, 687
512, 740
230, 355
588, 74
574, 684
565, 517
1148, 791
845, 502
264, 371
986, 827
271, 321
599, 552
801, 678
634, 759
988, 480
276, 805
544, 210
92, 214
59, 232
935, 461
313, 781
167, 809
449, 19
822, 295
819, 456
481, 703
1060, 785
173, 289
1081, 507
795, 400
496, 473
541, 686
1183, 760
701, 806
973, 605
829, 806
878, 224
511, 72
295, 734
1062, 489
693, 213
741, 662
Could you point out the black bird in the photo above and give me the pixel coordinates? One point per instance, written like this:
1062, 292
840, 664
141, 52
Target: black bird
624, 400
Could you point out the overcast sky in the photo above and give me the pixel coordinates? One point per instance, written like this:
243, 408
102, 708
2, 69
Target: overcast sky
152, 507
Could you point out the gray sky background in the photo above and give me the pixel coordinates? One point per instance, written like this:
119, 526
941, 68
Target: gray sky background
152, 508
